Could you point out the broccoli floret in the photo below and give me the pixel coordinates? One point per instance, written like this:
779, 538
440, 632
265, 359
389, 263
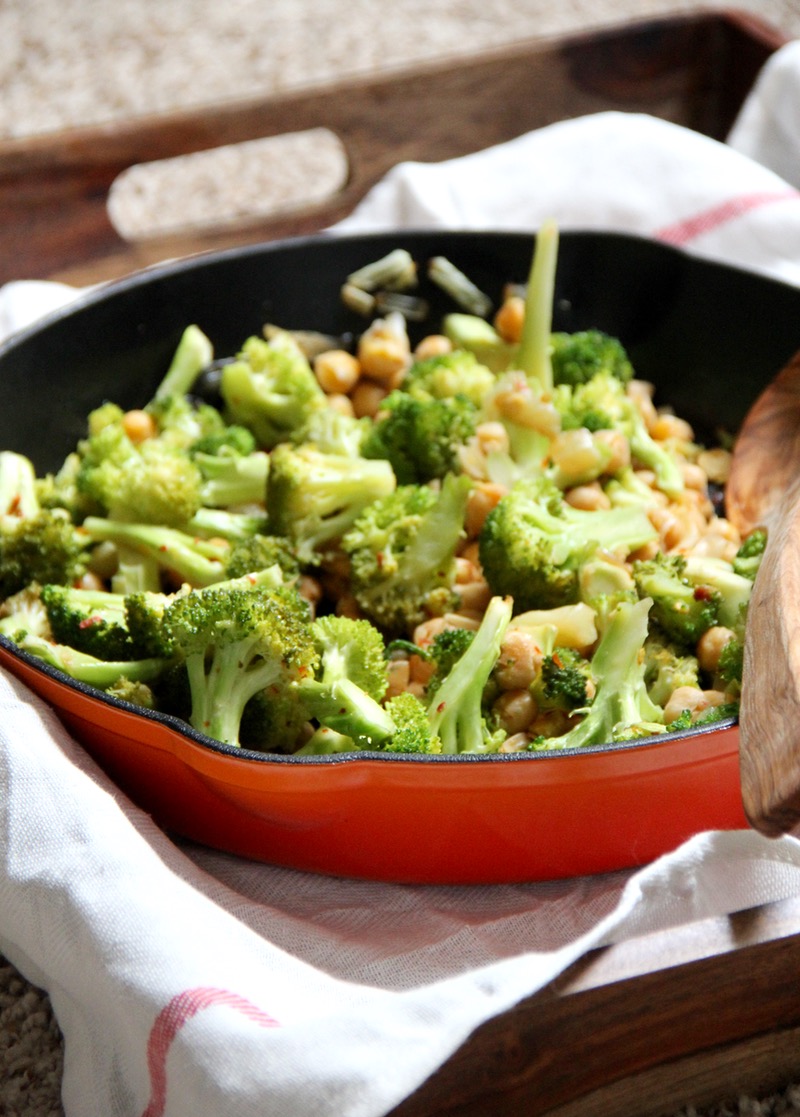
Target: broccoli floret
447, 648
421, 438
716, 574
605, 400
683, 610
577, 357
564, 681
313, 499
447, 375
402, 552
135, 693
475, 335
621, 707
731, 663
271, 389
456, 711
412, 728
229, 441
668, 667
85, 668
748, 558
235, 525
332, 432
193, 354
36, 544
237, 641
91, 621
602, 584
260, 551
187, 558
533, 544
345, 693
228, 479
24, 612
149, 482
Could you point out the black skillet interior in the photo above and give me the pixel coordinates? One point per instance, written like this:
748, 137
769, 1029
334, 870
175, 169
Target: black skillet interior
709, 336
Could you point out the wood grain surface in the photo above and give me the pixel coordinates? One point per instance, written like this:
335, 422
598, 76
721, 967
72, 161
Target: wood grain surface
694, 70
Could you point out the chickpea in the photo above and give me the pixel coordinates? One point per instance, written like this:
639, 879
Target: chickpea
483, 497
138, 425
510, 317
366, 398
710, 645
691, 698
434, 345
337, 371
589, 498
398, 671
515, 710
519, 662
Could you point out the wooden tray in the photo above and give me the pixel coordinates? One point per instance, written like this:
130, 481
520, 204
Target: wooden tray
694, 70
693, 1015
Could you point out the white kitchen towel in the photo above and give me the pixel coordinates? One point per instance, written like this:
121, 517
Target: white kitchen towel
188, 981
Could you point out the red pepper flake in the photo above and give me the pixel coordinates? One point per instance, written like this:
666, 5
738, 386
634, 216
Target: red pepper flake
441, 707
703, 593
556, 659
91, 622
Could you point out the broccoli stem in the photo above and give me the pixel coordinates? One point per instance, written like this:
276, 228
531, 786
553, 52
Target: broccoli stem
88, 669
222, 687
455, 714
194, 353
18, 498
200, 562
534, 352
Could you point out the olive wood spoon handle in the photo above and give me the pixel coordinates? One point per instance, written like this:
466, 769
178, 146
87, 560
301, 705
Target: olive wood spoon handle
763, 490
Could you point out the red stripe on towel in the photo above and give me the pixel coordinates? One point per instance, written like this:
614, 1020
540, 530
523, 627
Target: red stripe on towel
169, 1022
689, 228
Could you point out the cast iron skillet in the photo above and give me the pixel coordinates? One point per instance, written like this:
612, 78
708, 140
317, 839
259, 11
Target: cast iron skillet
709, 336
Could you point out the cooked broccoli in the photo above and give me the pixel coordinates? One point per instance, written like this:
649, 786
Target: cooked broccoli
188, 558
235, 525
236, 642
748, 558
457, 373
346, 691
420, 438
667, 667
314, 498
36, 544
577, 357
456, 711
447, 648
136, 693
533, 544
402, 552
717, 574
91, 621
229, 479
412, 728
683, 610
564, 681
260, 551
477, 336
332, 432
193, 354
271, 389
621, 707
149, 482
24, 612
85, 668
229, 441
602, 584
603, 400
534, 353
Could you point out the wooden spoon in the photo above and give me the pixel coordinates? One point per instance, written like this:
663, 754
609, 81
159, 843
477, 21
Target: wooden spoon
763, 490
